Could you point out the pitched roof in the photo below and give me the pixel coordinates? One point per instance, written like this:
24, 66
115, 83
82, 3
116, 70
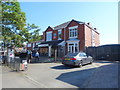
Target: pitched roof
64, 25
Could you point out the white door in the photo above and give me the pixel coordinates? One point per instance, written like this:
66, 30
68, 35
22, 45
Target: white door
71, 48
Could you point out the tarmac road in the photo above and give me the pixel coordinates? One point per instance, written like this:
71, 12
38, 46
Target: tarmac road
55, 75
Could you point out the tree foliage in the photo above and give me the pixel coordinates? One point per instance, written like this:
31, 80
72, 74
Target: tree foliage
30, 33
13, 20
13, 25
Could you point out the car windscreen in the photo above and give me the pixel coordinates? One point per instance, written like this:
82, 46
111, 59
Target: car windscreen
71, 54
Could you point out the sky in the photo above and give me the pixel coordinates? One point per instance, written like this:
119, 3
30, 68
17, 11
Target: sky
102, 15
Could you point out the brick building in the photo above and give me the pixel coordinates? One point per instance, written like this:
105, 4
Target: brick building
72, 36
34, 45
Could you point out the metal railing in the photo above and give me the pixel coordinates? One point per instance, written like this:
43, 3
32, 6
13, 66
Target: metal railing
13, 63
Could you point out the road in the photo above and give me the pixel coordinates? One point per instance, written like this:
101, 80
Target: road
55, 75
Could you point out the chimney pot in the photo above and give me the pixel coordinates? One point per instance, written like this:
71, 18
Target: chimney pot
88, 23
95, 28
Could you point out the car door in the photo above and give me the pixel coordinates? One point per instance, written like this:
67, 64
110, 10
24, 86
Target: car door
89, 59
83, 58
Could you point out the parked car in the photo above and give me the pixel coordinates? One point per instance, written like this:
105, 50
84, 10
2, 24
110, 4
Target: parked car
77, 59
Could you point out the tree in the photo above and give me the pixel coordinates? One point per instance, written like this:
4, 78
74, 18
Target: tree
14, 29
13, 21
31, 33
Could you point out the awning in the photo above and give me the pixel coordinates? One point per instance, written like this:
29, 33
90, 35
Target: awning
53, 43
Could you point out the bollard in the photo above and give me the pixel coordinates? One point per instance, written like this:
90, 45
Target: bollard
23, 68
24, 65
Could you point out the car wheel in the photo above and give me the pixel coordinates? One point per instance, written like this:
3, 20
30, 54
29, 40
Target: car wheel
80, 64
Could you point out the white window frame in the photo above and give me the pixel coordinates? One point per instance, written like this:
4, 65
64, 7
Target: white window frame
72, 32
58, 34
74, 46
48, 37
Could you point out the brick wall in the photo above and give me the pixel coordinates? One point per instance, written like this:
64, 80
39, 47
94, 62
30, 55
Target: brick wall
81, 37
97, 40
88, 36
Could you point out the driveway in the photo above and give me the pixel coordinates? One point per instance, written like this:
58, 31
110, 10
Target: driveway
100, 74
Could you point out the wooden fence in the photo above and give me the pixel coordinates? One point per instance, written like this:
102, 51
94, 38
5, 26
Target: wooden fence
105, 52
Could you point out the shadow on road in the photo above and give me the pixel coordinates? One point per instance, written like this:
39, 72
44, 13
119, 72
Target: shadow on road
95, 76
61, 67
76, 78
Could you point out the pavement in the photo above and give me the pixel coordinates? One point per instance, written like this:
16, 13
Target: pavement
100, 74
13, 79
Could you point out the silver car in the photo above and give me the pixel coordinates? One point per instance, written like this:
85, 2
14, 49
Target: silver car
77, 59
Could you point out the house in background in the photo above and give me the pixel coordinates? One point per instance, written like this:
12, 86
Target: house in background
72, 36
34, 45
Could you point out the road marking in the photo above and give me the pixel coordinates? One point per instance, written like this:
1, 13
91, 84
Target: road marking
35, 82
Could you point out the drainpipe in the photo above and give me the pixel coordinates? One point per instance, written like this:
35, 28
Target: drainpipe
55, 54
64, 40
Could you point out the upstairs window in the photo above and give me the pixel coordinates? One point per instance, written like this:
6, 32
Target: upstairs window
49, 36
73, 32
59, 34
54, 35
